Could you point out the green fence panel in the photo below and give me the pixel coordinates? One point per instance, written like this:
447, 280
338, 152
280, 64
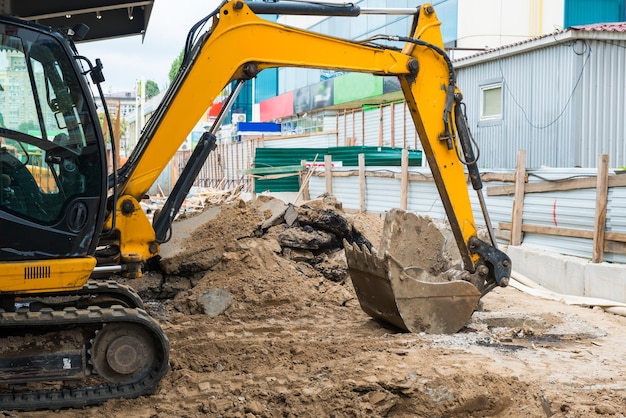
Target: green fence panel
268, 158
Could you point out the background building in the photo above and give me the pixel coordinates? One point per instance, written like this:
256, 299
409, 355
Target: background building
122, 108
561, 97
469, 27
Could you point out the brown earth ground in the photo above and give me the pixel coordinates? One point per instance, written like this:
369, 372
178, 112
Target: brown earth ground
294, 344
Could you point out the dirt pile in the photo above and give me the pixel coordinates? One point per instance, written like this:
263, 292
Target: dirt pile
290, 339
259, 253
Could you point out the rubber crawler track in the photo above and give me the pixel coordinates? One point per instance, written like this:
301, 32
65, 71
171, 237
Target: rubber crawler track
81, 396
123, 293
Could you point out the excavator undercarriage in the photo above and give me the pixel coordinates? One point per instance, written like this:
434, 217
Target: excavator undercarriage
73, 349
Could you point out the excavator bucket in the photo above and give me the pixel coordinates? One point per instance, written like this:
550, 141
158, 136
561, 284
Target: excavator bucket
411, 286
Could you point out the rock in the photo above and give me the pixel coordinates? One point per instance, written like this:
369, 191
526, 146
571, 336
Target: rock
204, 386
296, 254
325, 220
273, 211
324, 201
291, 215
605, 410
332, 270
254, 407
307, 239
215, 301
220, 405
546, 404
376, 397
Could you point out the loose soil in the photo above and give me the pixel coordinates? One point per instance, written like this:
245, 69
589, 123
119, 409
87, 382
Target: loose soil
292, 343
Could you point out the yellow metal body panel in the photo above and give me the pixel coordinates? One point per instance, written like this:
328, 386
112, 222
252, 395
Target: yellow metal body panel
426, 97
137, 238
45, 275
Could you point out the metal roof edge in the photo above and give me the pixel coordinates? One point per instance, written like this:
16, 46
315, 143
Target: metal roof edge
543, 41
515, 49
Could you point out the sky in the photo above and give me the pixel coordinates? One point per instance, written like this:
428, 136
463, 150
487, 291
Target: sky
126, 60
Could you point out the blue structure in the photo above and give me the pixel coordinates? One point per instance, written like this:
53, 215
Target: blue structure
584, 12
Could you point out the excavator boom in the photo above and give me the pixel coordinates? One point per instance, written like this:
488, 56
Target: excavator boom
427, 80
421, 66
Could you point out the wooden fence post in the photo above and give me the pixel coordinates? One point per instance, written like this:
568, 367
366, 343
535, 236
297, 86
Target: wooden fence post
404, 180
602, 193
404, 125
393, 123
328, 173
345, 131
362, 189
518, 202
380, 125
363, 126
306, 195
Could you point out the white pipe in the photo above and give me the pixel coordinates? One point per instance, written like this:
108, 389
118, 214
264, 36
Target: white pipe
526, 285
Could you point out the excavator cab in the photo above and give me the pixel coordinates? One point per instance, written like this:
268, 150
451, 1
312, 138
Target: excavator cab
57, 324
52, 158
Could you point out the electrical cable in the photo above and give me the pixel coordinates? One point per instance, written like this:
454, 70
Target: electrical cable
569, 99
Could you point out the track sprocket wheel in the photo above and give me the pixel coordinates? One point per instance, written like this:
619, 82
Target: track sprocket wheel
123, 353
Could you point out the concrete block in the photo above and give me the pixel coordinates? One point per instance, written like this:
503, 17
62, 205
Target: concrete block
606, 280
271, 209
570, 275
559, 273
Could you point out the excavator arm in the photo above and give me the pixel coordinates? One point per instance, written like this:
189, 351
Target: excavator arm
425, 73
427, 80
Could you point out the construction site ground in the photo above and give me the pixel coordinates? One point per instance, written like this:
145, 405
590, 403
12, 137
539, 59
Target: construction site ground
290, 342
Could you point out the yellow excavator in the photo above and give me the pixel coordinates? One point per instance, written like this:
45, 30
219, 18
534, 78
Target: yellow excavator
71, 336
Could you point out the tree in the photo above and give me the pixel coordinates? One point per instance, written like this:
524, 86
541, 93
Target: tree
26, 126
152, 89
176, 66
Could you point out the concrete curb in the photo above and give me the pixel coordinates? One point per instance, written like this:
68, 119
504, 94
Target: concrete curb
570, 275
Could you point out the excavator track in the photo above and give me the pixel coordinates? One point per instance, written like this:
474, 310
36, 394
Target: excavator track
100, 293
123, 354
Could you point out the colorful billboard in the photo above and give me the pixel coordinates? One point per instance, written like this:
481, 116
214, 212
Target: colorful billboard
276, 107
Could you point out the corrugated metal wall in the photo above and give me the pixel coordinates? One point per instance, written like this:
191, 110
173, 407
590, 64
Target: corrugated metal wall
568, 209
582, 12
275, 159
533, 100
603, 104
564, 104
616, 217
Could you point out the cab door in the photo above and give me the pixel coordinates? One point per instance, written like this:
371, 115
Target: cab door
52, 155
